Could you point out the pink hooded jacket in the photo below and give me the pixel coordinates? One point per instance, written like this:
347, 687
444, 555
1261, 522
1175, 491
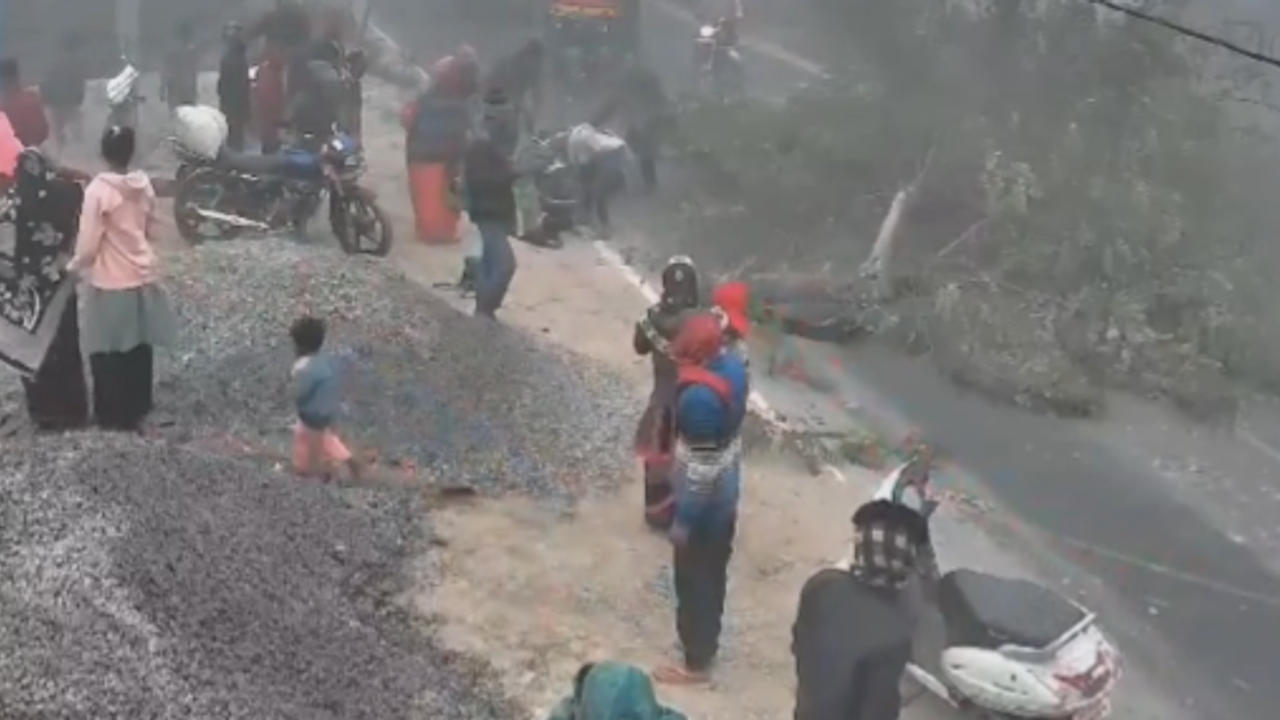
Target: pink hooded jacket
112, 244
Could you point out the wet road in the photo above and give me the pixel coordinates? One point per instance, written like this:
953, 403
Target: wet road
1204, 595
1187, 602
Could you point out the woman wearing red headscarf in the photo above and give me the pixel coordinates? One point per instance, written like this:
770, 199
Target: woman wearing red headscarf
731, 302
437, 125
710, 408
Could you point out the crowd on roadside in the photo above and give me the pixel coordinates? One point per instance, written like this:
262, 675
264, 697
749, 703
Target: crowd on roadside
851, 637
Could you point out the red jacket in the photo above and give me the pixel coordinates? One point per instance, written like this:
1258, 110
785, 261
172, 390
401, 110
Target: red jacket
25, 109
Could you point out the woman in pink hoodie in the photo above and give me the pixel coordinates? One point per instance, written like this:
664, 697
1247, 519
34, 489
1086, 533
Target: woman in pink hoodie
124, 312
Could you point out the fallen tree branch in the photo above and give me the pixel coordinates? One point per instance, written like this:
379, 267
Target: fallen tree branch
964, 237
877, 266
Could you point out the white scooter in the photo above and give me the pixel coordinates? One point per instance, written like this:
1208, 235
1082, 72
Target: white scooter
1000, 649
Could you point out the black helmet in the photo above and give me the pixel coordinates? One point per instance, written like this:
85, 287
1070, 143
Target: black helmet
680, 282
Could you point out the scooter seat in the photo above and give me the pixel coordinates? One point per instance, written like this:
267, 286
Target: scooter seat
987, 611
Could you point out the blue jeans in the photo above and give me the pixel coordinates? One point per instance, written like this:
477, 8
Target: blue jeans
497, 266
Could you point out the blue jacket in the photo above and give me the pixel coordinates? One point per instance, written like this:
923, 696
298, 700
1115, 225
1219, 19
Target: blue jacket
317, 389
708, 458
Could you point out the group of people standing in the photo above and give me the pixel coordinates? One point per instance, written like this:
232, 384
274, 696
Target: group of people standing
307, 81
853, 630
472, 144
689, 442
85, 250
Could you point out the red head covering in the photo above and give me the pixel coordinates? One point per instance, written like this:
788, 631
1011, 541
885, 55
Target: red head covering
734, 300
698, 341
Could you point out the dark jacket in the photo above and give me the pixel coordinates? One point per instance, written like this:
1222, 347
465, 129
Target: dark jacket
489, 177
233, 81
851, 644
64, 88
181, 75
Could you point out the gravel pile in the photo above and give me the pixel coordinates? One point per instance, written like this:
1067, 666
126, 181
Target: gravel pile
147, 580
182, 575
462, 399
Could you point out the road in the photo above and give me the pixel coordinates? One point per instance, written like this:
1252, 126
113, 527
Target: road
1174, 568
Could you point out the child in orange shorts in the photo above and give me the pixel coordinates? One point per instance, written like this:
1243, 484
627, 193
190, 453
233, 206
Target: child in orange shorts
317, 396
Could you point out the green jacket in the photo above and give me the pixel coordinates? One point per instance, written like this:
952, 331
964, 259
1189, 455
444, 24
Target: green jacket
614, 691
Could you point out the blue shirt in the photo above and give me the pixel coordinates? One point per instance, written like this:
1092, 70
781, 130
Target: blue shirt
316, 390
708, 482
702, 416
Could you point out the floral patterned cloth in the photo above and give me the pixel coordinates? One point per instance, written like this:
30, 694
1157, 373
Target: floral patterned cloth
39, 215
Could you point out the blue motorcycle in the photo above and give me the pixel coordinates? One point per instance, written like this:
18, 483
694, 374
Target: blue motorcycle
237, 193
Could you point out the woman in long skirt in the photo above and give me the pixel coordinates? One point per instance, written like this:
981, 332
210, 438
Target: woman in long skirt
124, 312
437, 135
48, 212
47, 205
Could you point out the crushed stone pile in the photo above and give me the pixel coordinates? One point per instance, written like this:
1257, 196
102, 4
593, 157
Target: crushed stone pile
182, 574
142, 579
460, 398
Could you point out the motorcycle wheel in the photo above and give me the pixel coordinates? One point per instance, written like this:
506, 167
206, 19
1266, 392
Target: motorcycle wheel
202, 188
360, 224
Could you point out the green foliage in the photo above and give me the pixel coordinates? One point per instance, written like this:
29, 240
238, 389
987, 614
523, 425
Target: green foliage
1113, 187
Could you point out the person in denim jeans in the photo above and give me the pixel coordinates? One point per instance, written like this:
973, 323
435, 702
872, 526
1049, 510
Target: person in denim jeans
491, 205
710, 408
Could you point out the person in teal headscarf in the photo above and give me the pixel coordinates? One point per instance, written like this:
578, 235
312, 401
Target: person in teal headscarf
612, 691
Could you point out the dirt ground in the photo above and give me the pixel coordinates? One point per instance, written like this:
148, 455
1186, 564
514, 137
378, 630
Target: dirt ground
538, 591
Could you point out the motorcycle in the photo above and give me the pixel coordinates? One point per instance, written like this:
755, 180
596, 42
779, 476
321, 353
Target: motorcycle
123, 99
720, 69
1000, 648
233, 193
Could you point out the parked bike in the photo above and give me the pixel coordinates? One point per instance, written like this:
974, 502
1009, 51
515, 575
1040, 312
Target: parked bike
234, 193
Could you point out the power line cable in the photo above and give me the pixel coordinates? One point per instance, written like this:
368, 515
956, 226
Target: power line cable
1189, 32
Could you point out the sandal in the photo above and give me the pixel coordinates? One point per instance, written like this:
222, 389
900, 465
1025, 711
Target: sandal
680, 675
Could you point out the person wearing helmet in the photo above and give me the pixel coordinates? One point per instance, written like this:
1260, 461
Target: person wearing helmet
655, 435
234, 88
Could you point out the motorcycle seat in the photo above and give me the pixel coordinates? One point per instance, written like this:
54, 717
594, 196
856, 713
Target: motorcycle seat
987, 611
252, 163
